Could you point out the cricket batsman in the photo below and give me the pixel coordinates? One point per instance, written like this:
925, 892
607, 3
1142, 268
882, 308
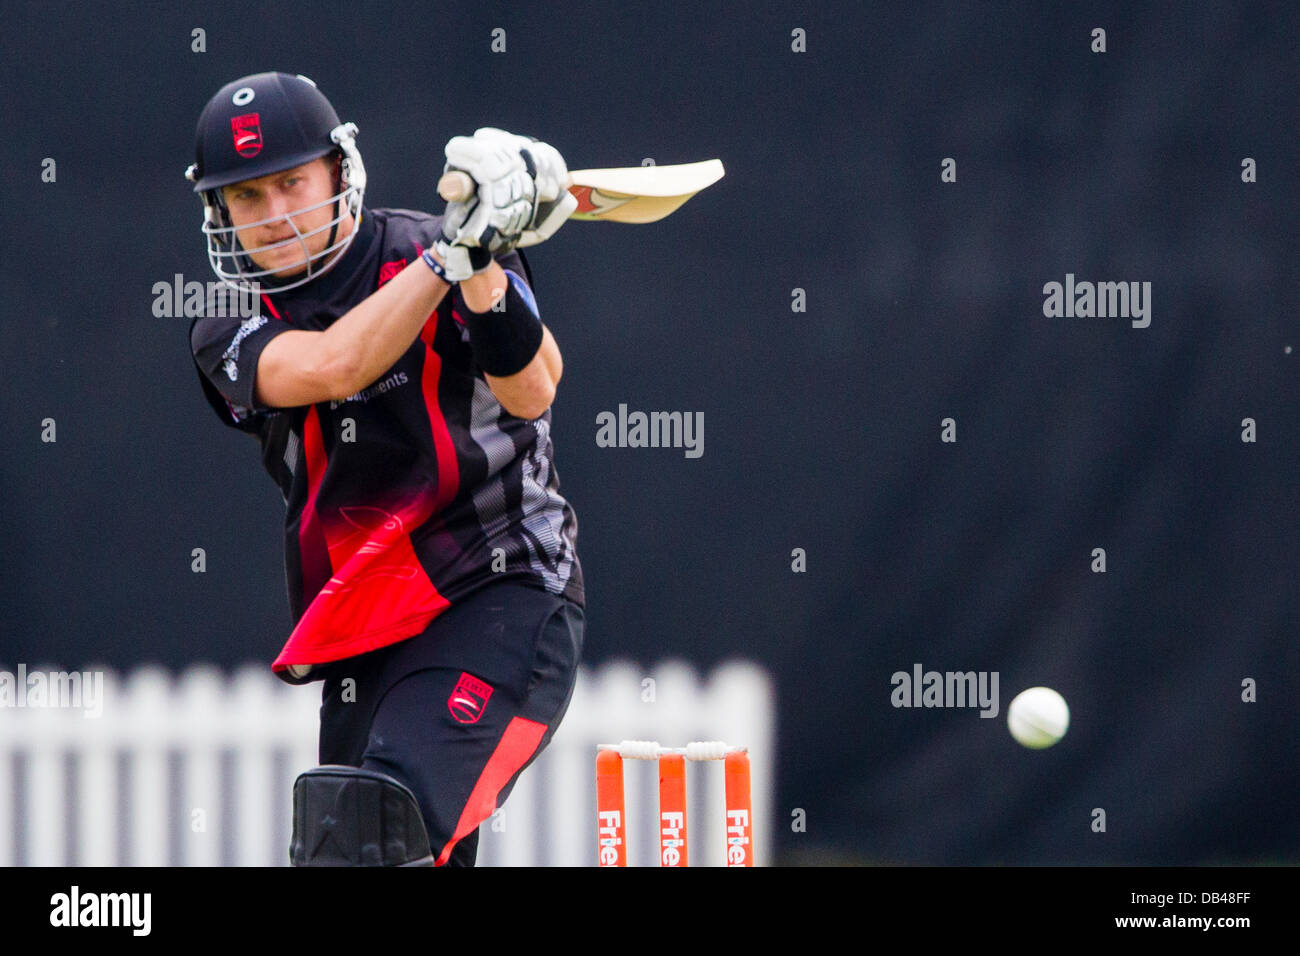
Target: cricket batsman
399, 379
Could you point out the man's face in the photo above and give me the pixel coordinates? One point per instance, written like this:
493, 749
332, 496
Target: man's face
277, 195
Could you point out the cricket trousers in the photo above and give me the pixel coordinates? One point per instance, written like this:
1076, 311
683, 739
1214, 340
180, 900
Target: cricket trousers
458, 711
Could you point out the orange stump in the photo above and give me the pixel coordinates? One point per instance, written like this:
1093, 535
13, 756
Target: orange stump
740, 845
672, 810
611, 816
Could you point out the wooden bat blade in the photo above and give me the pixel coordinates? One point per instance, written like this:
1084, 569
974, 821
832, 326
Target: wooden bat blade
664, 181
635, 194
598, 205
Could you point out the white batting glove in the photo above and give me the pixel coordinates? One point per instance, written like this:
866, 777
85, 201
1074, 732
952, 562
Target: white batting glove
554, 201
521, 196
505, 198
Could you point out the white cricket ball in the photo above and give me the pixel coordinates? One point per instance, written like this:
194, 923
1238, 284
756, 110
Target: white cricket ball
1038, 717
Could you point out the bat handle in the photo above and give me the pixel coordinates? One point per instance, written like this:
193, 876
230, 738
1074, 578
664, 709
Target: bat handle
457, 186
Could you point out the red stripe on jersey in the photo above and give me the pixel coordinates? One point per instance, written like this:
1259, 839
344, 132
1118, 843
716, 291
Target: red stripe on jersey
445, 448
312, 544
517, 746
271, 305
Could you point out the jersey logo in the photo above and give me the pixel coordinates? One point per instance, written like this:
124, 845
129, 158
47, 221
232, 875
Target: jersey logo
390, 269
468, 699
247, 133
230, 357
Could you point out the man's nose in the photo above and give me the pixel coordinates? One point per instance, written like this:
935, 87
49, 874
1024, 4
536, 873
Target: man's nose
277, 206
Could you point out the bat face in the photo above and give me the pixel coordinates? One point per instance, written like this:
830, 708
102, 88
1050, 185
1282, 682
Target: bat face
639, 194
659, 181
596, 204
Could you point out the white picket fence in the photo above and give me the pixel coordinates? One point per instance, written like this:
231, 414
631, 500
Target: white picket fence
198, 770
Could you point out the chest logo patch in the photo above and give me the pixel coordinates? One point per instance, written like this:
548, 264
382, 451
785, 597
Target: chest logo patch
230, 357
389, 269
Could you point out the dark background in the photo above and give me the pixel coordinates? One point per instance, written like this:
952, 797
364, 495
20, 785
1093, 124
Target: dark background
821, 428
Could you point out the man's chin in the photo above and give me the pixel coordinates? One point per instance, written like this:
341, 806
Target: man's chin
296, 268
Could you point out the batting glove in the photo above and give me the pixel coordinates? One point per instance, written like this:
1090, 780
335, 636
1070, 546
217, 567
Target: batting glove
504, 201
522, 199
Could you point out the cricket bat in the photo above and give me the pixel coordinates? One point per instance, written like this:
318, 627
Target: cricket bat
636, 194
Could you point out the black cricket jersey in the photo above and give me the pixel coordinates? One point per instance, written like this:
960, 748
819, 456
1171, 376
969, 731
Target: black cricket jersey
414, 492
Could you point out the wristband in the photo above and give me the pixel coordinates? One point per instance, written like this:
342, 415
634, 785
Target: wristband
505, 342
436, 266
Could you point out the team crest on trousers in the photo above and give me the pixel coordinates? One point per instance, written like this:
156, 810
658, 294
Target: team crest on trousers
468, 699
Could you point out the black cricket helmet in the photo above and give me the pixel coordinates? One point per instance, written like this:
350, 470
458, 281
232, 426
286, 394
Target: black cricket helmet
263, 124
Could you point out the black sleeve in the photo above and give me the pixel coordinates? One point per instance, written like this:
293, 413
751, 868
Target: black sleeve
225, 351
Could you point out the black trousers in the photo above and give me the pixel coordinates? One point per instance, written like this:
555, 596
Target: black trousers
457, 712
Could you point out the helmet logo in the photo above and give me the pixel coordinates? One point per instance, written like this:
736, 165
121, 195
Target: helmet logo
247, 133
243, 96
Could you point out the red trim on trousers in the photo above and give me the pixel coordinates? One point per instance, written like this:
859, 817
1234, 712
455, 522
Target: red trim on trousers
517, 746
